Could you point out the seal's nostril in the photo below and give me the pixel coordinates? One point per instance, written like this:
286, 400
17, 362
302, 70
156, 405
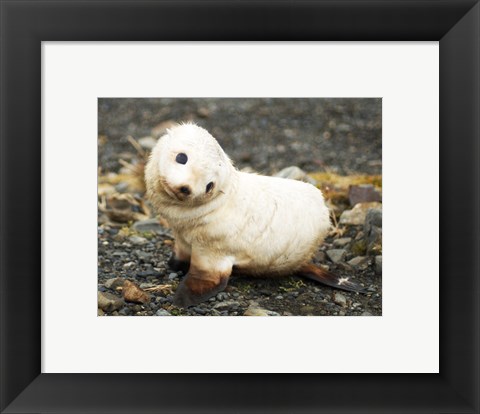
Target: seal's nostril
185, 190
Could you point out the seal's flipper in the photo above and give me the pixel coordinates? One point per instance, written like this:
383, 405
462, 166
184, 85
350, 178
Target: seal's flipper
198, 287
178, 265
325, 277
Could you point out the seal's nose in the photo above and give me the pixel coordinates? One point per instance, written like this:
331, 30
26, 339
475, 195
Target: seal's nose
185, 190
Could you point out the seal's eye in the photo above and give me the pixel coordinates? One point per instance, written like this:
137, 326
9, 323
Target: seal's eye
181, 158
210, 186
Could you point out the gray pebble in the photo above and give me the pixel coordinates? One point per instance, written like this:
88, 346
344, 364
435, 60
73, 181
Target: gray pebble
336, 255
222, 296
358, 261
342, 242
200, 311
119, 254
319, 257
226, 304
172, 276
162, 312
121, 187
137, 240
256, 311
378, 265
150, 225
124, 311
340, 299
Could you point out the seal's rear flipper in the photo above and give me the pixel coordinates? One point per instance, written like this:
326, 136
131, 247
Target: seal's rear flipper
325, 277
197, 287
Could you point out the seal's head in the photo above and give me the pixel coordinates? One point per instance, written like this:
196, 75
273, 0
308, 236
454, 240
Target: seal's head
188, 166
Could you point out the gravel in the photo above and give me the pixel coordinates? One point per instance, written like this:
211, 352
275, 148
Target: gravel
267, 135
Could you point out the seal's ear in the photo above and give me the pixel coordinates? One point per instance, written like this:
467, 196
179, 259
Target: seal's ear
199, 286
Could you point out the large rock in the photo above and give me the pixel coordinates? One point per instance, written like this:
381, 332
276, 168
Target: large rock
357, 215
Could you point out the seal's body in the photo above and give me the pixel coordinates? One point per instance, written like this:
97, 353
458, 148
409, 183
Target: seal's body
224, 219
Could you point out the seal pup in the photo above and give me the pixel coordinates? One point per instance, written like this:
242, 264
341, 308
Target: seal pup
223, 219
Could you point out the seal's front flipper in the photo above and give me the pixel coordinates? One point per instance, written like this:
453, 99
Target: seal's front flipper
198, 286
325, 277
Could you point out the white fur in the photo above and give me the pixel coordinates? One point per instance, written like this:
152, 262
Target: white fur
260, 224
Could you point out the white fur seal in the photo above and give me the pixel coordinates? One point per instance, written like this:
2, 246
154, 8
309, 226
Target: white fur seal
224, 219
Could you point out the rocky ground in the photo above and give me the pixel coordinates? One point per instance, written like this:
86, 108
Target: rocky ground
336, 143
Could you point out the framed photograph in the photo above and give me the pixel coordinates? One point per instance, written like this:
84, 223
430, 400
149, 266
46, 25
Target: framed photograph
370, 113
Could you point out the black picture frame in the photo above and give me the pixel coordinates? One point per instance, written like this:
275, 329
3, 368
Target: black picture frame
25, 24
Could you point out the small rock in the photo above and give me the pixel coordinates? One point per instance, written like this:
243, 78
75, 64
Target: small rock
255, 311
203, 112
114, 282
222, 296
148, 273
358, 261
172, 276
279, 297
121, 187
129, 265
147, 142
340, 299
125, 311
373, 218
132, 293
143, 255
137, 240
373, 231
342, 242
108, 302
149, 225
100, 312
378, 265
366, 313
319, 257
356, 216
119, 253
226, 304
363, 193
163, 312
336, 255
295, 173
200, 311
